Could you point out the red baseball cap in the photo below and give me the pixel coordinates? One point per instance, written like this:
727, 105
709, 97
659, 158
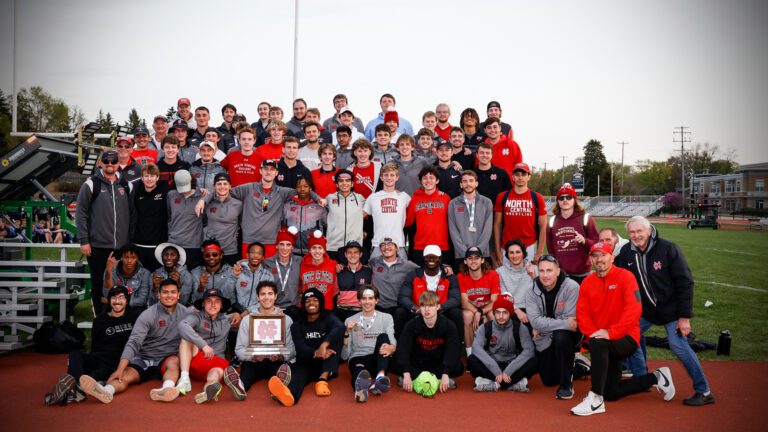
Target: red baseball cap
522, 166
183, 101
601, 247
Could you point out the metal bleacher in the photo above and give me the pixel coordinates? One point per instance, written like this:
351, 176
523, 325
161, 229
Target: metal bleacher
625, 206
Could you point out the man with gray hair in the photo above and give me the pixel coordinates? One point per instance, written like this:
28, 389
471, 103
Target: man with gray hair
666, 289
610, 236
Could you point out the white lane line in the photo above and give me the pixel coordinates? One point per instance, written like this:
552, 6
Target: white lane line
735, 286
734, 252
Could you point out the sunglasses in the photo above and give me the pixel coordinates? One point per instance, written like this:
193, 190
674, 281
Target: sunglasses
550, 258
109, 161
211, 254
564, 198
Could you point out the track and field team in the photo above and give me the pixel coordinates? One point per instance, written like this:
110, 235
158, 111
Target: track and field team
413, 256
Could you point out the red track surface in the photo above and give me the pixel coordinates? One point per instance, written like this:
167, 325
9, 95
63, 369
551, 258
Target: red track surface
738, 386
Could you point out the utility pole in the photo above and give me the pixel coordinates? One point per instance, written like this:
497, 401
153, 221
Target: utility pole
295, 46
563, 169
682, 135
612, 181
621, 185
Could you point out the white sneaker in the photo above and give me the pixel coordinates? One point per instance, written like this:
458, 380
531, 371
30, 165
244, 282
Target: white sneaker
166, 394
184, 385
592, 404
520, 386
485, 385
665, 384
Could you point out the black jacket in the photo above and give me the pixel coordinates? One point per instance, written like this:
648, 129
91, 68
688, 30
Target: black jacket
288, 177
664, 278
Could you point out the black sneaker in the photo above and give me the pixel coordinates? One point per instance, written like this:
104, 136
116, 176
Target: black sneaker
700, 399
564, 392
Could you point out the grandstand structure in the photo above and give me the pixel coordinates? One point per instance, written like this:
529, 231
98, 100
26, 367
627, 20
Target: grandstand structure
622, 206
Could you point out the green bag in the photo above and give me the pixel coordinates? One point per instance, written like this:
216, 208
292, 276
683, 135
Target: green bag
426, 384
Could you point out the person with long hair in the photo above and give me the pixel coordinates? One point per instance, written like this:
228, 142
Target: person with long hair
571, 233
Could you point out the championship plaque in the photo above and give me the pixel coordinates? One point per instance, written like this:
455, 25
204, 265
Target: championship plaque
267, 335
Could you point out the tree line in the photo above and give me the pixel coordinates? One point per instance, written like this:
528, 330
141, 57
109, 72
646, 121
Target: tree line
40, 111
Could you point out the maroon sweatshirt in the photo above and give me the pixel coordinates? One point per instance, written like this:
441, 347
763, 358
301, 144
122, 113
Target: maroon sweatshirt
573, 256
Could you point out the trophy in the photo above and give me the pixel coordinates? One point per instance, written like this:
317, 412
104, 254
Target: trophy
267, 336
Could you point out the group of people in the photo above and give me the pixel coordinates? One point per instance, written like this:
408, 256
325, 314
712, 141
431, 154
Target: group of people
378, 253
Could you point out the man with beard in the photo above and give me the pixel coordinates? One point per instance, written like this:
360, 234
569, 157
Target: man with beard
109, 334
470, 219
128, 272
223, 215
103, 220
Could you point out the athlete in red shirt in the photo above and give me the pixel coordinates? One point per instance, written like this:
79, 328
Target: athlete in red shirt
428, 209
243, 165
506, 152
318, 271
480, 286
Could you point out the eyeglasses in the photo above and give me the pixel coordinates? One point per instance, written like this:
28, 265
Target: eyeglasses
550, 258
564, 198
211, 254
109, 161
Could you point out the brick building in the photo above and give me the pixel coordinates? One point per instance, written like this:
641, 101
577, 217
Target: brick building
743, 189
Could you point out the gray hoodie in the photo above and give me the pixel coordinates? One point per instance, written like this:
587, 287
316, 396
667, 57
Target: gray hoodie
259, 224
565, 307
185, 228
245, 330
384, 156
389, 279
139, 285
458, 224
408, 181
503, 349
105, 222
288, 287
201, 330
223, 219
185, 278
155, 334
222, 280
246, 283
514, 281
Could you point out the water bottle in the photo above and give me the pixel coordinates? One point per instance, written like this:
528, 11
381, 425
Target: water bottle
724, 343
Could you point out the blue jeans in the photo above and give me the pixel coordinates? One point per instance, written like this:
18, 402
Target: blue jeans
679, 346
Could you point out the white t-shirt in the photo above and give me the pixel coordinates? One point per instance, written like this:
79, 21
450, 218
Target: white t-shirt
388, 212
309, 158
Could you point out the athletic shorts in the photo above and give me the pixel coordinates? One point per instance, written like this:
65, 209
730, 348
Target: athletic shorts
200, 366
148, 369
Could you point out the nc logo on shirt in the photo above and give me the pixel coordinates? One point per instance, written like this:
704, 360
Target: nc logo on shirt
505, 152
657, 265
561, 305
243, 284
256, 195
161, 323
493, 176
460, 209
213, 209
379, 269
206, 325
613, 286
177, 200
280, 177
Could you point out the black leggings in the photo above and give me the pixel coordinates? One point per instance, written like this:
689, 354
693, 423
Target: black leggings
556, 362
80, 363
306, 371
478, 369
607, 356
251, 372
373, 363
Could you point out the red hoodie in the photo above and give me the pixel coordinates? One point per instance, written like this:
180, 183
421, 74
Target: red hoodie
611, 303
430, 213
506, 154
322, 277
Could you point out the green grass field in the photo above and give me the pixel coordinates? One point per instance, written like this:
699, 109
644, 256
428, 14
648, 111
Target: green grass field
722, 257
734, 258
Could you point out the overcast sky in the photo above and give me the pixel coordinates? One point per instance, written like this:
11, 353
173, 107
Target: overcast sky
564, 71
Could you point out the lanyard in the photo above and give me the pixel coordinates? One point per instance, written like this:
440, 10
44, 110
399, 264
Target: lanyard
471, 210
283, 281
370, 324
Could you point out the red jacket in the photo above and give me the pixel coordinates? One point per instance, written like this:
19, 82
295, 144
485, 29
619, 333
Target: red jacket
430, 213
323, 277
611, 303
506, 154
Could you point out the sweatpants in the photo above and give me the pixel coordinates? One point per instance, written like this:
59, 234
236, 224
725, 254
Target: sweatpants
607, 356
306, 371
478, 369
80, 363
556, 362
251, 372
373, 363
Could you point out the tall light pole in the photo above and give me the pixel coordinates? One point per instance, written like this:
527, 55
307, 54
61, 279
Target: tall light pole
563, 170
295, 47
685, 137
621, 185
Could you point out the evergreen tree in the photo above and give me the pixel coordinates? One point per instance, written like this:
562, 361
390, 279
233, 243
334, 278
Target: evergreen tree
133, 119
594, 165
170, 113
